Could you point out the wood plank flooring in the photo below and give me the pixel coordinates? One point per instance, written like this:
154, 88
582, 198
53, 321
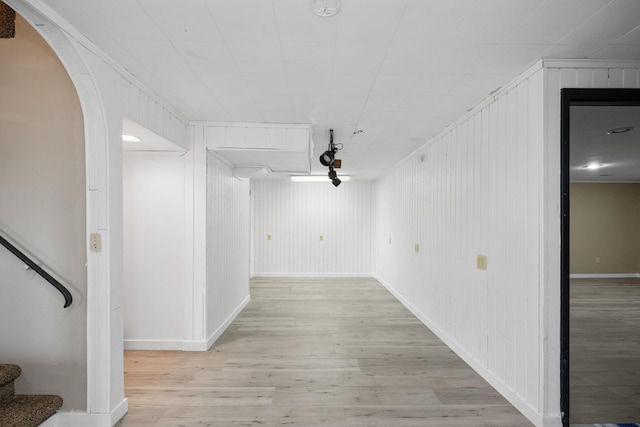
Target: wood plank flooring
314, 352
604, 362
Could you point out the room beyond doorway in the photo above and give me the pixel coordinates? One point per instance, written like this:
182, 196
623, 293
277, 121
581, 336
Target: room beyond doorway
597, 340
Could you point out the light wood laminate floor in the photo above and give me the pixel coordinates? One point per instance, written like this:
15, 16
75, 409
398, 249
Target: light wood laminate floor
315, 352
604, 363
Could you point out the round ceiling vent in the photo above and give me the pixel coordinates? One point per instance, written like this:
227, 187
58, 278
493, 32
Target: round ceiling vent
325, 8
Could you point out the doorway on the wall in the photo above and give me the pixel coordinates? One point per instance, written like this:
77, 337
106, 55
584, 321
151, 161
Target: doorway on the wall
600, 319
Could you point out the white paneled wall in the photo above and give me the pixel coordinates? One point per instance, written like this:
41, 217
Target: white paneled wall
474, 189
154, 255
228, 246
314, 228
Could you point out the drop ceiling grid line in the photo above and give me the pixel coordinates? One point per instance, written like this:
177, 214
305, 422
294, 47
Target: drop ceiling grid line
331, 74
384, 58
187, 64
284, 65
577, 27
235, 62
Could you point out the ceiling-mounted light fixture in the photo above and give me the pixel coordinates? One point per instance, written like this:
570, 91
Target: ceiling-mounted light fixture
325, 8
328, 157
593, 166
7, 22
333, 176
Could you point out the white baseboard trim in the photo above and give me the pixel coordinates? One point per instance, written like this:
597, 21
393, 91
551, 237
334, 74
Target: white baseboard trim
604, 276
194, 346
186, 345
152, 345
214, 337
502, 388
364, 275
84, 419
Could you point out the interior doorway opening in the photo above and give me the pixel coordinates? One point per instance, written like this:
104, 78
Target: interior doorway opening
600, 177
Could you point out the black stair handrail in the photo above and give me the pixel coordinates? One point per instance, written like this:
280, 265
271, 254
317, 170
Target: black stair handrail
68, 299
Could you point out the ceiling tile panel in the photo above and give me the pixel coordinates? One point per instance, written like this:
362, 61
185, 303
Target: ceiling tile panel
157, 54
263, 84
510, 59
358, 58
257, 57
618, 52
366, 21
308, 110
307, 58
183, 20
610, 23
553, 20
630, 38
314, 86
244, 21
433, 59
122, 19
351, 86
298, 24
226, 87
431, 21
203, 56
491, 21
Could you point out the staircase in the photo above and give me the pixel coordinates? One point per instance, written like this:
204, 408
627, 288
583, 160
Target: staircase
23, 410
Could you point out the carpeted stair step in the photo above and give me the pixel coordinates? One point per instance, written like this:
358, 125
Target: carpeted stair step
28, 410
8, 374
23, 410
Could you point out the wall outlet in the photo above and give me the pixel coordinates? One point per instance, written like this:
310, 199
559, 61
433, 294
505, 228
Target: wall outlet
598, 260
95, 242
481, 262
416, 247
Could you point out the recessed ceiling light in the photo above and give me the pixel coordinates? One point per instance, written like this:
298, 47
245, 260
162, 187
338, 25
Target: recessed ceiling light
624, 129
593, 166
130, 138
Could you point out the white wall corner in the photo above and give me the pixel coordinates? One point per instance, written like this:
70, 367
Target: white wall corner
218, 332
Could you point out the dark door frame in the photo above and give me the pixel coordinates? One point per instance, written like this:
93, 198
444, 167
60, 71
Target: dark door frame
572, 97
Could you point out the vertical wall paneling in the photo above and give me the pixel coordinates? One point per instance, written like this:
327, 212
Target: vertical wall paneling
227, 288
296, 214
490, 185
473, 190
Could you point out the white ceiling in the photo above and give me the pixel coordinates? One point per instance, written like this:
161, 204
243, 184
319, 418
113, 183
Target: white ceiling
400, 70
589, 142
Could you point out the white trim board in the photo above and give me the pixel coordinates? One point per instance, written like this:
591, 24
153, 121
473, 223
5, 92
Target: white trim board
83, 419
153, 344
186, 345
320, 275
604, 276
